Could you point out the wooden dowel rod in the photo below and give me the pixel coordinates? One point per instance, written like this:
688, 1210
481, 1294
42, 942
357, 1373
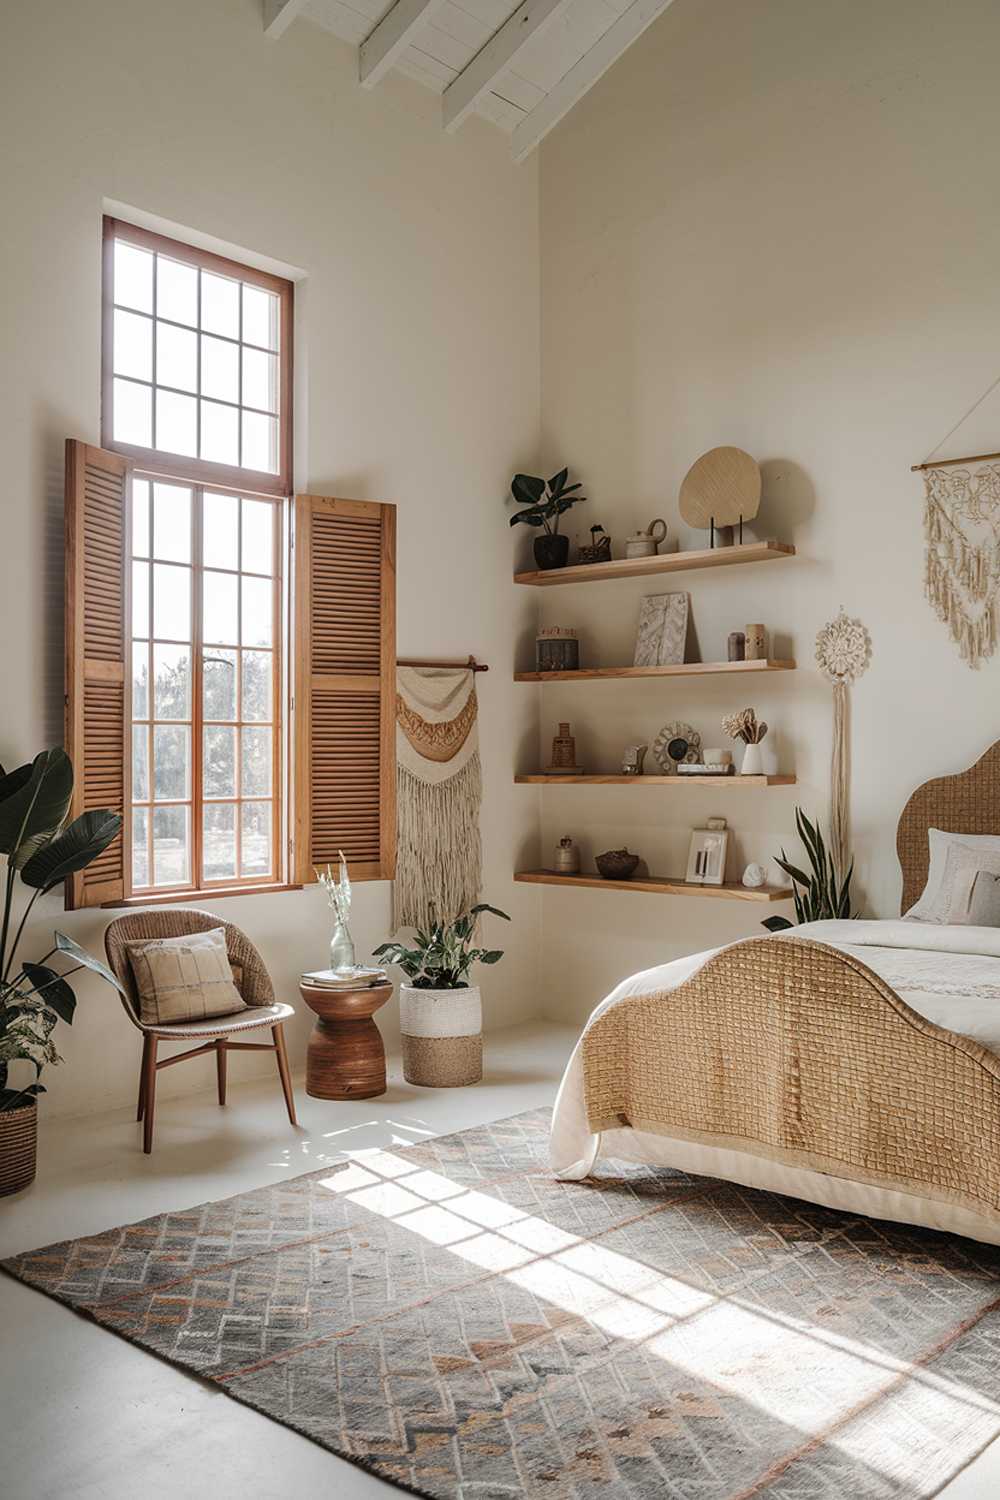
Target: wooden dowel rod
947, 463
419, 661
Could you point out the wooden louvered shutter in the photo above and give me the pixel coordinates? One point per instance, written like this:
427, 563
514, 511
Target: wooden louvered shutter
345, 686
97, 489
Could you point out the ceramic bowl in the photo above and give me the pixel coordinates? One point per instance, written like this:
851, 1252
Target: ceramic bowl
617, 864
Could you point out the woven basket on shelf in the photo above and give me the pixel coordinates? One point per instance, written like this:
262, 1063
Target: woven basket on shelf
18, 1140
442, 1036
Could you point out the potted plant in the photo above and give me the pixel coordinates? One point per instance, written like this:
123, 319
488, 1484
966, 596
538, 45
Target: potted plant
543, 503
42, 849
818, 895
440, 1012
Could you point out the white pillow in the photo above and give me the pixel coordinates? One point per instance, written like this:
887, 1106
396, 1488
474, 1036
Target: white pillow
955, 860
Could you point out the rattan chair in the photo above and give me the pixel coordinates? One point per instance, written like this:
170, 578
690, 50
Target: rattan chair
251, 979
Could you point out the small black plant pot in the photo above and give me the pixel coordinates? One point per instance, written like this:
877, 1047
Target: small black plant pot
551, 551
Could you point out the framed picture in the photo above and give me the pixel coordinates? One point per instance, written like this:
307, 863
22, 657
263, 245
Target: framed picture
662, 631
707, 856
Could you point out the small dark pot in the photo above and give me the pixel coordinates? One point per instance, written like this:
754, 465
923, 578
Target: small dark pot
18, 1135
551, 551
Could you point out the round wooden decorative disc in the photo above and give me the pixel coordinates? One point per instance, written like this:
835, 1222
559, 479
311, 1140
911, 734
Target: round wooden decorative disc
723, 484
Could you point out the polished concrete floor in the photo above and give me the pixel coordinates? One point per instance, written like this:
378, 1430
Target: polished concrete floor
86, 1416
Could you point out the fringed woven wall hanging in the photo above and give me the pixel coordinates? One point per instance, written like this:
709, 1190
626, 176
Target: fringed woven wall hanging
843, 652
962, 573
439, 791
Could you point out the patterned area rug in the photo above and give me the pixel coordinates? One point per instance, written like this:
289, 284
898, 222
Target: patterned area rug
453, 1319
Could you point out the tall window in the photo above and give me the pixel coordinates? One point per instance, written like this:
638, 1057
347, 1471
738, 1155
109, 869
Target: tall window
197, 395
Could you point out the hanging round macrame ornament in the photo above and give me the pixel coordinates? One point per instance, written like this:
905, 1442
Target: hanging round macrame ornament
843, 654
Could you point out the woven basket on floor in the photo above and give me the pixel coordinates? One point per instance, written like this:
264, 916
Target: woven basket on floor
18, 1139
442, 1035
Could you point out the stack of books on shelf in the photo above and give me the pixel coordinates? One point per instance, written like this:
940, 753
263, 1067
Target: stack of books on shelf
359, 978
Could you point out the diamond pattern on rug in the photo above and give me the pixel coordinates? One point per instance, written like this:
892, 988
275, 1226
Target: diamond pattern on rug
459, 1322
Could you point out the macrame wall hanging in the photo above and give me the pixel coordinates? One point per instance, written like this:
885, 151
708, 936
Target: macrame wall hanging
843, 653
962, 573
439, 791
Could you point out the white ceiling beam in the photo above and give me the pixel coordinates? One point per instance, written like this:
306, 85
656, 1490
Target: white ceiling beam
477, 77
279, 15
583, 75
391, 37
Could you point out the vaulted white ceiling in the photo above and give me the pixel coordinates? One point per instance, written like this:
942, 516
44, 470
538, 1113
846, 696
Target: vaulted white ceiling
521, 65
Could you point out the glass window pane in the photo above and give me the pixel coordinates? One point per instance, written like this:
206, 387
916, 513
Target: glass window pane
220, 841
176, 357
256, 705
171, 762
258, 535
171, 845
256, 838
140, 763
140, 517
255, 763
219, 684
219, 608
219, 769
171, 602
140, 851
220, 369
176, 423
260, 317
220, 305
220, 531
140, 679
172, 682
140, 599
177, 291
171, 523
260, 442
133, 413
220, 433
133, 277
256, 611
133, 347
260, 380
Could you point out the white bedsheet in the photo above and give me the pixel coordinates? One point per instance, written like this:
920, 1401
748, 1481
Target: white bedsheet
950, 975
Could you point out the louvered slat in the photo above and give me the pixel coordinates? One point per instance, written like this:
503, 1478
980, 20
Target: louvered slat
96, 653
345, 665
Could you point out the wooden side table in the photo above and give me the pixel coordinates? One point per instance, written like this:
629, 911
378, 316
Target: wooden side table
346, 1055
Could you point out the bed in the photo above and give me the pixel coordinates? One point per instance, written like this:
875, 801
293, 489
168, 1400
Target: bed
854, 1064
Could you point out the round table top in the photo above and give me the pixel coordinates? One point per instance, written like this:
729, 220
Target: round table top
345, 1005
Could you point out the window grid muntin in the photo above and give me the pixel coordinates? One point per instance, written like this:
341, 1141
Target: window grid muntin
196, 803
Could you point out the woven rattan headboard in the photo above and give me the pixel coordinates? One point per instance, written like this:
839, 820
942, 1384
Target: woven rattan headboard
966, 803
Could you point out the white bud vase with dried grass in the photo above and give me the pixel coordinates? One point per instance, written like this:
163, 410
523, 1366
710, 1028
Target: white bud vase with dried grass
744, 726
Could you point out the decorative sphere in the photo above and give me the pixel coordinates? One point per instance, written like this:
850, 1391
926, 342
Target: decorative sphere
754, 876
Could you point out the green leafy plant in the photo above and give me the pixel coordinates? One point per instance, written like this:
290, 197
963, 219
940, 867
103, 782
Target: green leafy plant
42, 849
818, 895
441, 958
543, 501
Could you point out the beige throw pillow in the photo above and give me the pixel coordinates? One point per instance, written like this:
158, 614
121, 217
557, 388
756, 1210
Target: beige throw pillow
184, 978
952, 857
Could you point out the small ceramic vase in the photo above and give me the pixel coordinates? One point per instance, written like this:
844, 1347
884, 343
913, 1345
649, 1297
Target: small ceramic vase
737, 646
567, 857
753, 761
756, 648
645, 543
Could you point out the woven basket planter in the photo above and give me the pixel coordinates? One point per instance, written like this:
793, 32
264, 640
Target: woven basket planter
442, 1034
18, 1140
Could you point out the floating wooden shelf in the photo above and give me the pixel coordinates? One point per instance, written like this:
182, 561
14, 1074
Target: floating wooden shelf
657, 886
667, 562
685, 669
671, 781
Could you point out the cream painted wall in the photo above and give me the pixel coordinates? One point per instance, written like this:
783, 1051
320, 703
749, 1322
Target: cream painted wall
774, 223
417, 345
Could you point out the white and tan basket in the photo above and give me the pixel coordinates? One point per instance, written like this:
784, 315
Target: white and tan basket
442, 1034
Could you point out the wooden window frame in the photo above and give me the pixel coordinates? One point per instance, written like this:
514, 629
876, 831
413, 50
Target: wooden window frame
276, 877
172, 465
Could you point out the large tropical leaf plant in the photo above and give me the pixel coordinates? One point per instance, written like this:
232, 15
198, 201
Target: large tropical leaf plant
543, 501
441, 957
818, 893
41, 849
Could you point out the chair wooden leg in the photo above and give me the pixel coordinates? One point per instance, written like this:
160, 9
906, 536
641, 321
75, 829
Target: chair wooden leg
278, 1032
141, 1107
149, 1093
221, 1059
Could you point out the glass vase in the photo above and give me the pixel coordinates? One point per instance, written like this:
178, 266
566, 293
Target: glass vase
342, 947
